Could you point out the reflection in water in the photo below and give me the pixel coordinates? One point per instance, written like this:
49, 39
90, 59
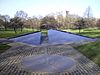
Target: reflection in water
62, 37
54, 37
33, 39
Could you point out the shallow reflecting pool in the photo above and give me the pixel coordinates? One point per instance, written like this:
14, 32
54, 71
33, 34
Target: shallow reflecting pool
55, 36
33, 39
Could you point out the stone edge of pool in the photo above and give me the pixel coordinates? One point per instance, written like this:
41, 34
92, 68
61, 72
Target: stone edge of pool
75, 34
55, 43
22, 35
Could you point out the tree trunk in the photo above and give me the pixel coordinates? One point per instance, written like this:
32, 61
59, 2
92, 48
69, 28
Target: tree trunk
15, 30
79, 30
5, 26
21, 28
33, 28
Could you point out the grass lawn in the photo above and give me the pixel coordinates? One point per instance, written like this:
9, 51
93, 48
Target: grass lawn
94, 33
44, 31
4, 47
10, 33
91, 50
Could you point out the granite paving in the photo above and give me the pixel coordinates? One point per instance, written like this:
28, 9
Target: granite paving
10, 61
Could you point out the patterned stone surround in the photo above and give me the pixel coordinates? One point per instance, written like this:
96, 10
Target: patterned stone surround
10, 61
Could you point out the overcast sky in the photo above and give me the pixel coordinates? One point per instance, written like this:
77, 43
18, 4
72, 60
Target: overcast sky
44, 7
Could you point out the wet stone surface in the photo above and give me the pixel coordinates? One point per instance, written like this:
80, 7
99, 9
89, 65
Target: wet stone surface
11, 60
48, 63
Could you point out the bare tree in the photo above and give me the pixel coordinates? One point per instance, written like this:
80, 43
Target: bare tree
98, 23
16, 23
88, 13
80, 24
31, 23
1, 23
23, 16
49, 21
6, 19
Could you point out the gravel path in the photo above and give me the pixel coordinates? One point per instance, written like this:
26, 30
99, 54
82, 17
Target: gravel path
10, 61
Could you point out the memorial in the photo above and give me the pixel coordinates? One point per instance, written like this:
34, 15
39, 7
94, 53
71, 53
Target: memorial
48, 63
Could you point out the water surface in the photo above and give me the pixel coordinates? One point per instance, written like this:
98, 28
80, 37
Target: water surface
55, 36
33, 39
